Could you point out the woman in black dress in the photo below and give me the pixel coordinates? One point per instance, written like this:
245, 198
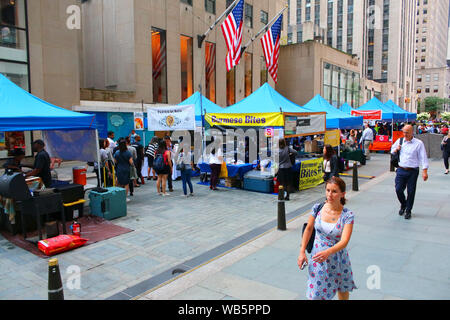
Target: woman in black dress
124, 161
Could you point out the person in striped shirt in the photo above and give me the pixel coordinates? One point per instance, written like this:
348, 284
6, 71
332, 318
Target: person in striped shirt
150, 154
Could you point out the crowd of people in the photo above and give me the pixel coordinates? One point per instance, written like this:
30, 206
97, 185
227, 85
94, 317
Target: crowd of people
122, 161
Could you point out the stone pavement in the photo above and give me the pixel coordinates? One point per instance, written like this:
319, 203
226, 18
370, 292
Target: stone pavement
169, 233
410, 257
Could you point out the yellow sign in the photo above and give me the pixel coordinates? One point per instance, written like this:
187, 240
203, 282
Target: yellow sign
311, 174
333, 138
245, 120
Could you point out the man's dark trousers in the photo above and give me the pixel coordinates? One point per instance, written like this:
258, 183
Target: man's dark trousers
406, 179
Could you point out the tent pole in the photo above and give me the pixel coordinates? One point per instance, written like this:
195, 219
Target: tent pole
98, 158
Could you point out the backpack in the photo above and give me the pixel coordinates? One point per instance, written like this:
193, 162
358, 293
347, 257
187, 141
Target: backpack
395, 158
158, 163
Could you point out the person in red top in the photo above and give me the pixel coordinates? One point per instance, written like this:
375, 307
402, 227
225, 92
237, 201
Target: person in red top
164, 173
444, 130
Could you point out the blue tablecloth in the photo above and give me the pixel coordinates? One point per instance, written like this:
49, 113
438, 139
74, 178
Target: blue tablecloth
233, 170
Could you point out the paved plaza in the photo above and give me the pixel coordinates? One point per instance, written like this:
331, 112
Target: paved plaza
228, 247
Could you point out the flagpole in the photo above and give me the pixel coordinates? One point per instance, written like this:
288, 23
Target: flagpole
265, 28
202, 37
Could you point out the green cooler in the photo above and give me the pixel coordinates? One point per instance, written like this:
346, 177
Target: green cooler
109, 205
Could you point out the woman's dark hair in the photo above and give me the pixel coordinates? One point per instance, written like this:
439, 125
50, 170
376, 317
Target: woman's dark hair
341, 184
101, 143
162, 146
154, 140
282, 144
123, 145
329, 152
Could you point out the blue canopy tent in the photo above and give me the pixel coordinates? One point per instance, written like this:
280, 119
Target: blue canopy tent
65, 129
346, 108
336, 119
388, 115
408, 116
21, 111
202, 105
265, 100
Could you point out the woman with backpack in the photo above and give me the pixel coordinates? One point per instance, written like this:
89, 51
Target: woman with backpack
163, 167
185, 166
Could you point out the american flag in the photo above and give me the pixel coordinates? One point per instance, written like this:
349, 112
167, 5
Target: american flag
210, 60
159, 61
232, 29
271, 46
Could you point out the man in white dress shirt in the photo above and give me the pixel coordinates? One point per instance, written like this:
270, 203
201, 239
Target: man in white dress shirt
367, 140
412, 156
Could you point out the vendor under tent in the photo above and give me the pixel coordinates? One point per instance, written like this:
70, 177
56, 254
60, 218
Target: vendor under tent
21, 111
336, 119
407, 116
388, 115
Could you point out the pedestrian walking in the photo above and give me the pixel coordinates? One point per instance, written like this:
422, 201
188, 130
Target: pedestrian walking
185, 165
215, 163
163, 167
150, 154
445, 146
330, 270
104, 165
124, 161
330, 163
367, 140
133, 171
285, 174
412, 155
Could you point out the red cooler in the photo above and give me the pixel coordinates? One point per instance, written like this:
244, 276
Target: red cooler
79, 176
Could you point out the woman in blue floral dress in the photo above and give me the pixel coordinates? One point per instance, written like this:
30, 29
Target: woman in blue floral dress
330, 270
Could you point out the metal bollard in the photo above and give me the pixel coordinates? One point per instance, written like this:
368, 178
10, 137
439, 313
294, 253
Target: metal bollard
55, 287
281, 210
355, 176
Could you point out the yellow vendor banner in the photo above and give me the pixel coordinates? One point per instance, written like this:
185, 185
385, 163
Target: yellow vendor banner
333, 138
311, 174
245, 120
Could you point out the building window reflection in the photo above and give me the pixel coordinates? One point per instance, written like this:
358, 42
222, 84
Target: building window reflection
187, 70
264, 71
248, 74
231, 87
159, 58
340, 86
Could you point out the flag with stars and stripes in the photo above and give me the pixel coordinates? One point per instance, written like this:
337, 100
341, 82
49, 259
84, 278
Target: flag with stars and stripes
271, 42
232, 29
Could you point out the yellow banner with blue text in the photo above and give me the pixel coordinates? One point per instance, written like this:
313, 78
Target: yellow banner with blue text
311, 174
245, 120
333, 138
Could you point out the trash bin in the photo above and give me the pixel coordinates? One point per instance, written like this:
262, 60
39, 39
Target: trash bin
79, 176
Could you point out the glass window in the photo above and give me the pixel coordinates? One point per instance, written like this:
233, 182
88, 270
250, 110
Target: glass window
264, 71
210, 71
427, 78
231, 87
327, 93
16, 72
264, 17
187, 70
189, 2
210, 6
436, 77
159, 60
248, 74
13, 13
327, 74
249, 15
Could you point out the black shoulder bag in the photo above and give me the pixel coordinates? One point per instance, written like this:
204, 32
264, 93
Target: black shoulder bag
310, 245
395, 158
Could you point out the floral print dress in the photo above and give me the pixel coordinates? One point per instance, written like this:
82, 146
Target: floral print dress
327, 278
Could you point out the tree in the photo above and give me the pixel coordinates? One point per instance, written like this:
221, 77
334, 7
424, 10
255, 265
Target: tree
434, 105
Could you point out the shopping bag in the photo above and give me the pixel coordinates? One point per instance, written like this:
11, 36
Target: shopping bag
223, 171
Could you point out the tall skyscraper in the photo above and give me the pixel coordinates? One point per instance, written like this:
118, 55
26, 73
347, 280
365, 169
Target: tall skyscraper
380, 33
